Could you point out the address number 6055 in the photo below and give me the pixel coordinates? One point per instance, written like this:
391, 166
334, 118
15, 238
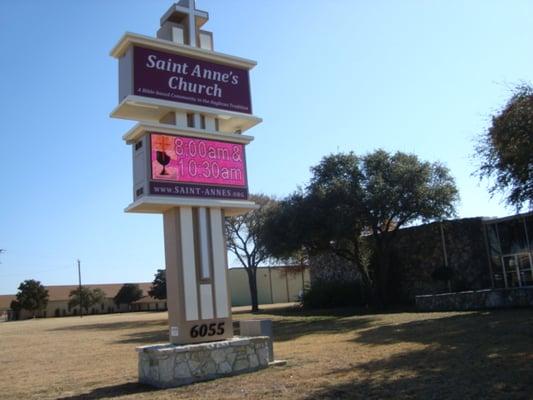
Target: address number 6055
203, 330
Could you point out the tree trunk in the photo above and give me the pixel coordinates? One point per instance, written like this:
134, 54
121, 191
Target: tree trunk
383, 279
252, 283
382, 273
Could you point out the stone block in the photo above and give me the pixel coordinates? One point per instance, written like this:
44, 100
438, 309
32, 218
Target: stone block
241, 365
263, 356
171, 365
256, 327
218, 355
224, 368
182, 370
476, 300
166, 369
210, 368
231, 358
253, 360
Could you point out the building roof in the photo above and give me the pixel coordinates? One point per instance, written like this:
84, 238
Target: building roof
147, 299
61, 292
490, 220
5, 301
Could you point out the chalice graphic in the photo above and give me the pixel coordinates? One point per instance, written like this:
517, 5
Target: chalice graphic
163, 159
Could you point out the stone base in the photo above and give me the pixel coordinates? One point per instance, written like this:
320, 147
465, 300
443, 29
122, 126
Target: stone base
476, 300
168, 365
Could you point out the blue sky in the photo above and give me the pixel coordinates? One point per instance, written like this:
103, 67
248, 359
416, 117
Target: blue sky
416, 76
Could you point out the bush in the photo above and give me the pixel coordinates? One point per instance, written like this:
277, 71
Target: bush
329, 294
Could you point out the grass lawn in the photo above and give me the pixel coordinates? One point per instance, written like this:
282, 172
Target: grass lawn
339, 354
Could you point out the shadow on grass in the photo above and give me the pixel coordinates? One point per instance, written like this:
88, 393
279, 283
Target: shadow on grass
293, 322
283, 330
289, 329
113, 325
486, 355
145, 338
286, 326
114, 391
299, 311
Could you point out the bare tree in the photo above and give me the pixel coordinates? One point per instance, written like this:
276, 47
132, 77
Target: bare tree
242, 235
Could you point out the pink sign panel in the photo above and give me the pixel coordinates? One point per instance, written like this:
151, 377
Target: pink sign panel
191, 160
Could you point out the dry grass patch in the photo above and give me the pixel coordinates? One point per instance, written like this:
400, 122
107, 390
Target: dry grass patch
336, 354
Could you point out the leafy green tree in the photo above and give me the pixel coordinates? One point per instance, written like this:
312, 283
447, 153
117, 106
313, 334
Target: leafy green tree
326, 216
15, 308
242, 236
506, 150
32, 296
399, 190
128, 293
354, 203
159, 286
86, 298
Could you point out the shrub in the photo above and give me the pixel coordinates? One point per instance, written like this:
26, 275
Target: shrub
328, 294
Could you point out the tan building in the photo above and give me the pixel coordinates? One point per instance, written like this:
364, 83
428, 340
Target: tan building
59, 297
274, 285
5, 301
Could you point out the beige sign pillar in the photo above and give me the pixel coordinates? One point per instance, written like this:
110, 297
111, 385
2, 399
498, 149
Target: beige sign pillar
197, 284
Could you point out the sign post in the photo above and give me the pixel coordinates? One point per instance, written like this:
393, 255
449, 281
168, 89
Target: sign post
193, 106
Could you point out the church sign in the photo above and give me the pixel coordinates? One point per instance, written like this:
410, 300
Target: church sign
192, 106
175, 77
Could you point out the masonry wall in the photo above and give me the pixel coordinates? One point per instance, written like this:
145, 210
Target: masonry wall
330, 268
417, 253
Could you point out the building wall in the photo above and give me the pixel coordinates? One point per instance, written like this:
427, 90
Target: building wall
419, 250
59, 308
274, 285
330, 268
155, 305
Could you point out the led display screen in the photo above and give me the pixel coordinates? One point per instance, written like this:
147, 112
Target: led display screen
188, 166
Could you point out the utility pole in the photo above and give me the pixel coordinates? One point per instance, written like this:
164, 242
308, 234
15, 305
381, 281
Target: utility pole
79, 289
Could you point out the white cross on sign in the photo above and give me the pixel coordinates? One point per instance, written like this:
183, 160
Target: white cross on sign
192, 12
192, 22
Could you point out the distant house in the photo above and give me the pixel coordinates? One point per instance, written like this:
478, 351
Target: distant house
5, 309
274, 284
59, 298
